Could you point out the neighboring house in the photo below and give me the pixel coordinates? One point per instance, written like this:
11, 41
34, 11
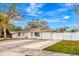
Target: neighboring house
38, 33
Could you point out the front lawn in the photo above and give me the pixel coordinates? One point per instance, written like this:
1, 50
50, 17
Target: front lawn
65, 46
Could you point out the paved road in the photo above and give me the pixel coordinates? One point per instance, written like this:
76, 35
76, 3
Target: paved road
27, 47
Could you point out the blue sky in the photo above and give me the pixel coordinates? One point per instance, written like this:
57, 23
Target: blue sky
57, 15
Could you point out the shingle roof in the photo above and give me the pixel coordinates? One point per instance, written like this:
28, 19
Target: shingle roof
35, 30
46, 30
38, 29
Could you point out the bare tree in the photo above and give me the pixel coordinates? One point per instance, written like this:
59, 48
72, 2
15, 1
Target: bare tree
37, 23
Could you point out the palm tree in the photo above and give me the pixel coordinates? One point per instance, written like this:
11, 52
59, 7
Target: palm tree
6, 17
64, 29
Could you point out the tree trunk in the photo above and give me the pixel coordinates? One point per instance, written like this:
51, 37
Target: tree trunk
5, 34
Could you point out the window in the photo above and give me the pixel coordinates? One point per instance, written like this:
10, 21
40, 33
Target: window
37, 34
19, 34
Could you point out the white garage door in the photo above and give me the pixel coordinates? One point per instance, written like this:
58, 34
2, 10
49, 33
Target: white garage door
46, 35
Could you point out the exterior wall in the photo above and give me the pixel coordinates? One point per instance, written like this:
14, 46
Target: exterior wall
66, 36
15, 35
28, 35
49, 35
43, 35
46, 35
23, 35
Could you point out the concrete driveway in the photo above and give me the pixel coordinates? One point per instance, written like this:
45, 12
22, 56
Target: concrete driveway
28, 46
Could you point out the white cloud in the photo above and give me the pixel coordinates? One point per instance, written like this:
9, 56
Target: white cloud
62, 9
63, 21
68, 4
54, 20
55, 12
66, 17
33, 9
73, 25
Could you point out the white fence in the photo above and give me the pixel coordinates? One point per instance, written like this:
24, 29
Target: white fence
66, 36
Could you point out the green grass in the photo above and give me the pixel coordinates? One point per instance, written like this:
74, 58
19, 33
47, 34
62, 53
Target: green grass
65, 46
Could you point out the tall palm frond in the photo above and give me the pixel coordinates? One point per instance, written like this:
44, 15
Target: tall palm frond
6, 17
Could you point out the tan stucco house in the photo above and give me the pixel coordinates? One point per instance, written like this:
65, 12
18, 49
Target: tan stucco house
38, 33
